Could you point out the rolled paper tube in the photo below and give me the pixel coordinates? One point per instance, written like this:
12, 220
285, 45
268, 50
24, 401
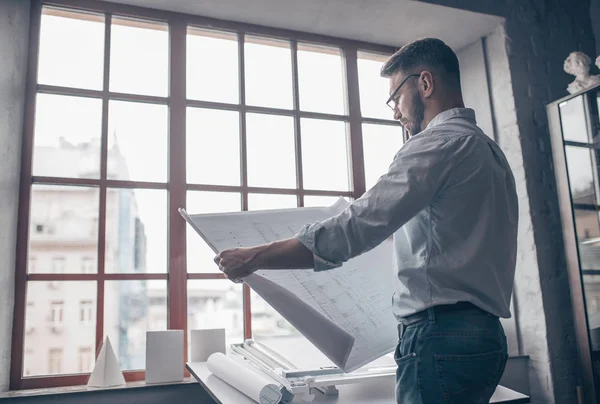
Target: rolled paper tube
252, 384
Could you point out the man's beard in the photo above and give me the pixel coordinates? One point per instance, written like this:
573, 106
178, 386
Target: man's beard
419, 114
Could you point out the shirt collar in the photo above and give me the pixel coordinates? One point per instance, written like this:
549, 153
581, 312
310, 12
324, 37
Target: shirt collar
464, 113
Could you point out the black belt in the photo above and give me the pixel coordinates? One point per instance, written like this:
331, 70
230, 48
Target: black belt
437, 310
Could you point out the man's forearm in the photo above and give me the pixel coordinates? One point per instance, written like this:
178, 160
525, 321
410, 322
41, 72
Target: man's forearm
284, 254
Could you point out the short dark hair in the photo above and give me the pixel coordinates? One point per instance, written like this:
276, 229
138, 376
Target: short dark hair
430, 52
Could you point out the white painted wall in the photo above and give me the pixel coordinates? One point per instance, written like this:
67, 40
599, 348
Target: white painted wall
474, 83
14, 37
389, 22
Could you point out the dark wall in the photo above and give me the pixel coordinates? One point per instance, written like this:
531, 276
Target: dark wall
595, 15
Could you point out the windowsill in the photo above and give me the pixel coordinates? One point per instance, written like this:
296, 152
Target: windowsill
129, 385
86, 389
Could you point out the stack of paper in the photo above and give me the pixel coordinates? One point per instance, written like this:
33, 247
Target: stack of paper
345, 312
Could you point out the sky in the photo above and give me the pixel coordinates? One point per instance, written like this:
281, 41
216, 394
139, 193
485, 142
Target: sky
71, 55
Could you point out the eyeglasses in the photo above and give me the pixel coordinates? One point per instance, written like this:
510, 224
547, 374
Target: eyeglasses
391, 102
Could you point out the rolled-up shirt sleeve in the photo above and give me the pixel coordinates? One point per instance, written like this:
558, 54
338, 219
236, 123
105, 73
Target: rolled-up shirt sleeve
419, 170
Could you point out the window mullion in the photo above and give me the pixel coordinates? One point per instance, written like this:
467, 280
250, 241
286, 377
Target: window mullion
177, 282
297, 133
244, 172
243, 110
356, 143
103, 175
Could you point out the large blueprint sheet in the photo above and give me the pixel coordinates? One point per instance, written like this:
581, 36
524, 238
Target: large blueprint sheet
345, 312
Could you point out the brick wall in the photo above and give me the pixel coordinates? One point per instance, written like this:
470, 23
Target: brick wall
528, 286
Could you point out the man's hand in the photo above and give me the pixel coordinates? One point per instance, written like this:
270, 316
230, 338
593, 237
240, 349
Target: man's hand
237, 263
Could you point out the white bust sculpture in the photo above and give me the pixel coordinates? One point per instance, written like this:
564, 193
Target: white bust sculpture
578, 65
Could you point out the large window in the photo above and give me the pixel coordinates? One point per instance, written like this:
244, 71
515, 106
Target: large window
134, 113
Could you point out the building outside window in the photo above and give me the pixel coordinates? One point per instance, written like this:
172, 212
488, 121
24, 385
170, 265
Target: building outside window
58, 265
87, 265
86, 359
29, 321
56, 312
55, 359
86, 311
32, 264
27, 360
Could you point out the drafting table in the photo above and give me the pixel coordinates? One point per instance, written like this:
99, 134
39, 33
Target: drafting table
373, 392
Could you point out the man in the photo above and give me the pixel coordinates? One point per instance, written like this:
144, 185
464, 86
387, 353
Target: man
449, 200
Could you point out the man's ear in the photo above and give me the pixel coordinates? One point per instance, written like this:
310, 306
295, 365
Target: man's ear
426, 83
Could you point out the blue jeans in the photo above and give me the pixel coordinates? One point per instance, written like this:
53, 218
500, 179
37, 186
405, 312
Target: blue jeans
450, 358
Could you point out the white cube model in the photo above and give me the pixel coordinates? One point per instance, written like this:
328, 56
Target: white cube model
205, 343
164, 356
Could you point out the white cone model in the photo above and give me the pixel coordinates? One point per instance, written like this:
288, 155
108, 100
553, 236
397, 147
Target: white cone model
107, 372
